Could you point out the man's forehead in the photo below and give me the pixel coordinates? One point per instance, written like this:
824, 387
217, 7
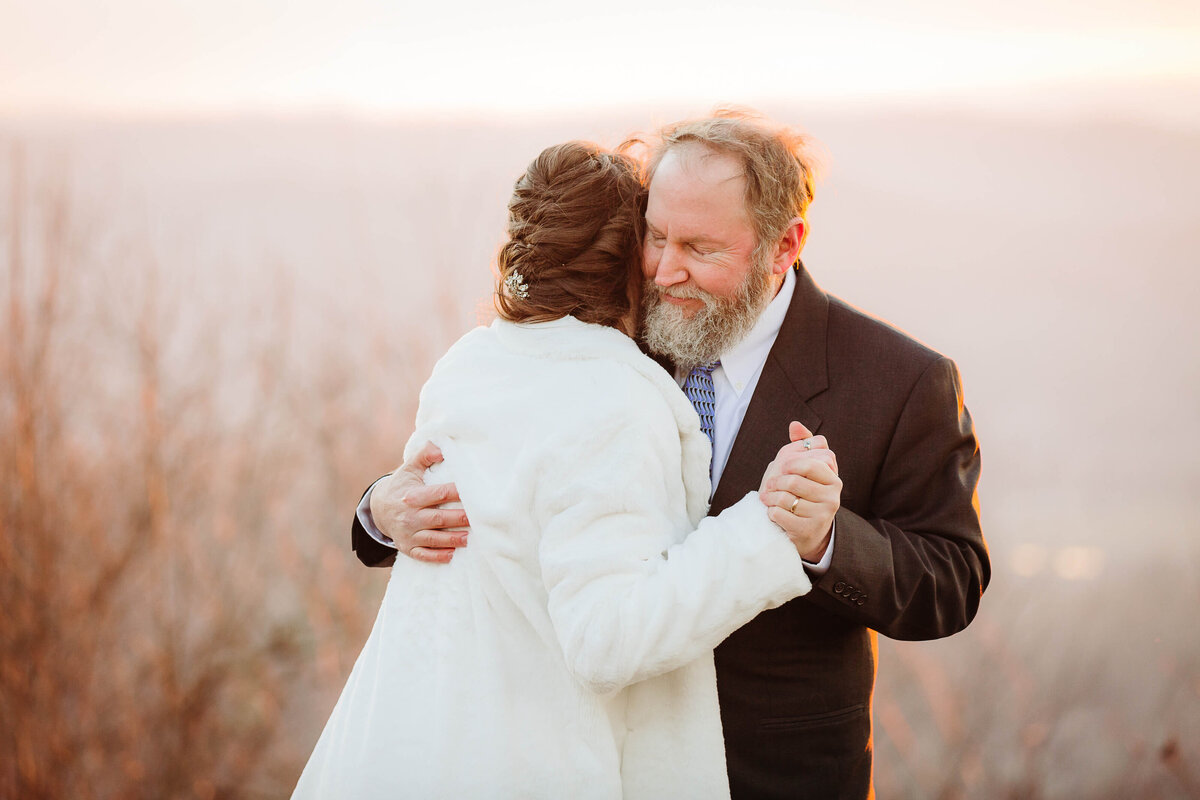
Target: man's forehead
700, 162
695, 190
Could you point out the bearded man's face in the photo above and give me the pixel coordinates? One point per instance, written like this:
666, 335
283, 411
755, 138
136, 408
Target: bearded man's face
701, 336
706, 283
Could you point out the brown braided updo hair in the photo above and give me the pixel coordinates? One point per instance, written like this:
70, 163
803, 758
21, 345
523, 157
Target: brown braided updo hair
574, 228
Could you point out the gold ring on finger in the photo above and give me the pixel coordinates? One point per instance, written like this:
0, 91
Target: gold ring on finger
795, 502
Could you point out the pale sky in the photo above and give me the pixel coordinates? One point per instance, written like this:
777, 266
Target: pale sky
186, 56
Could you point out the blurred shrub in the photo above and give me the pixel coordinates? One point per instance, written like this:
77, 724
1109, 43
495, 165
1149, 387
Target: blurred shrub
178, 602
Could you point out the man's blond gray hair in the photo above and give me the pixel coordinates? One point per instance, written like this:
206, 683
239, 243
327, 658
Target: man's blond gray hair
776, 164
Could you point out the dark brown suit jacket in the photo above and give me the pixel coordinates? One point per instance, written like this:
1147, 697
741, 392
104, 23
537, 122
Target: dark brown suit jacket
909, 559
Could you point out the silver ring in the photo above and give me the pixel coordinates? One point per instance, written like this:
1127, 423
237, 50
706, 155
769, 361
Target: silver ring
792, 509
808, 444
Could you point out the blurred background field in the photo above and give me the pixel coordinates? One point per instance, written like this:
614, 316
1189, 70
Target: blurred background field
213, 324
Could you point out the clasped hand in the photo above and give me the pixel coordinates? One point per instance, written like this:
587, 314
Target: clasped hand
802, 491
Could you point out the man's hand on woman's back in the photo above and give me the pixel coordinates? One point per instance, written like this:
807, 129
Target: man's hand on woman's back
406, 510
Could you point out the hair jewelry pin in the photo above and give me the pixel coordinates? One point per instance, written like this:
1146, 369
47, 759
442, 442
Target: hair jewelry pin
516, 285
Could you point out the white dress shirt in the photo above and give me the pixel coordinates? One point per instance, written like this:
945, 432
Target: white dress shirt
737, 376
733, 382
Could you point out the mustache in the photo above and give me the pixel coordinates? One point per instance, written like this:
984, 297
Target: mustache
680, 292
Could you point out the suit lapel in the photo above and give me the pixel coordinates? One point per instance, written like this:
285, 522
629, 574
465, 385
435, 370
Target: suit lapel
795, 371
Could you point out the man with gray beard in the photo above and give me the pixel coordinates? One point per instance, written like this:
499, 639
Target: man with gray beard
889, 529
713, 329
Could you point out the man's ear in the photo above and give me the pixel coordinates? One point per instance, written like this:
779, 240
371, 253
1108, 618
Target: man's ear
789, 247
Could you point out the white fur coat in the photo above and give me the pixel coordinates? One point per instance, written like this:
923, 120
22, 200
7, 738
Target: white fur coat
566, 652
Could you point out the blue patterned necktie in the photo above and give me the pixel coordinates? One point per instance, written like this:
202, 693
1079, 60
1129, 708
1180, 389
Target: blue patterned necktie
699, 389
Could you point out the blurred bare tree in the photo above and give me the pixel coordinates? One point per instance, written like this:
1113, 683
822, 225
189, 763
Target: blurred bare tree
175, 589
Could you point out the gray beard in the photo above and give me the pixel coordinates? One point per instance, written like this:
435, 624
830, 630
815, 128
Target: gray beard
711, 331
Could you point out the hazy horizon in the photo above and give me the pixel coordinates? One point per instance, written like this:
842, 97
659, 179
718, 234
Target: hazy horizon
983, 233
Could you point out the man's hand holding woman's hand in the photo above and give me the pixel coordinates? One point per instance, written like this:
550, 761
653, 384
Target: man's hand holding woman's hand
406, 510
802, 491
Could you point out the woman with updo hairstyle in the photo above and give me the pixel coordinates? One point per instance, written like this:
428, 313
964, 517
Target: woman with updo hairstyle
568, 651
574, 239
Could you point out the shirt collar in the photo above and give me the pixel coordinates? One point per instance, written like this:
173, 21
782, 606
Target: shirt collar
743, 361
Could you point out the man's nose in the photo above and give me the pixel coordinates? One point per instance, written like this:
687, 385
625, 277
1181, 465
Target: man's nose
670, 269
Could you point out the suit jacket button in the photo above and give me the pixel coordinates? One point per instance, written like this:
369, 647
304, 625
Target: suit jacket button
839, 587
862, 599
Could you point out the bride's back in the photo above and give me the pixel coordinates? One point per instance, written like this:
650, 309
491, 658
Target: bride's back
476, 681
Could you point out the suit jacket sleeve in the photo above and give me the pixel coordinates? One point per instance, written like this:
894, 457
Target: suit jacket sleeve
916, 566
630, 596
369, 551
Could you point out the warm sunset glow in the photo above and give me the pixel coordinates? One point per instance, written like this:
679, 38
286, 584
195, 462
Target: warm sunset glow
372, 56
